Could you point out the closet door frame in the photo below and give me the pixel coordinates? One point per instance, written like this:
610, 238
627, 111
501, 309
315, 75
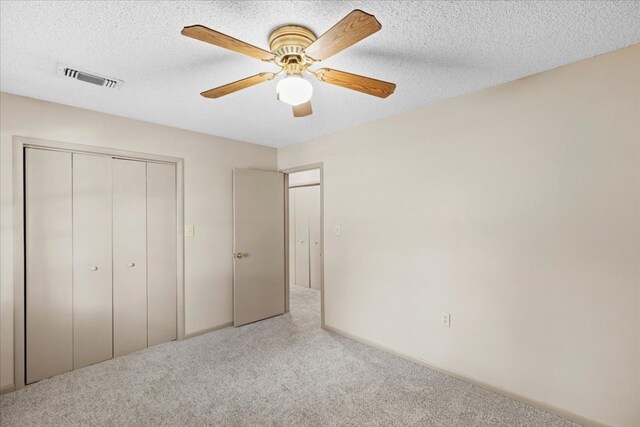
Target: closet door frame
20, 143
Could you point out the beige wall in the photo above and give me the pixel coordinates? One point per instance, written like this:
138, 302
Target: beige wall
517, 210
208, 162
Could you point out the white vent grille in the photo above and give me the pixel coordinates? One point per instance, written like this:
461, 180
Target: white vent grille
87, 77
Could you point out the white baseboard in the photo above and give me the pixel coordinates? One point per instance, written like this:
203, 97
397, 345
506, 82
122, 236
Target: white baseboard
531, 402
207, 330
7, 389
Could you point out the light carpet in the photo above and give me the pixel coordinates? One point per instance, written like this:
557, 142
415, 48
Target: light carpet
284, 371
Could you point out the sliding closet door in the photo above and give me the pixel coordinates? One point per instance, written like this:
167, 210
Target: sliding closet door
49, 265
314, 236
161, 252
129, 256
92, 303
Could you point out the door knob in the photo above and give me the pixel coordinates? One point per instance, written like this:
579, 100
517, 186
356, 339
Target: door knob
94, 268
132, 264
241, 255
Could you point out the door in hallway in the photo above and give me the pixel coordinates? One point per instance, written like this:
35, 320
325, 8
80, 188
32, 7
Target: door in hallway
305, 230
314, 237
300, 201
259, 246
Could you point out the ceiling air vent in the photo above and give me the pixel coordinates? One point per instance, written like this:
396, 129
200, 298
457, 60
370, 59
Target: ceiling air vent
92, 78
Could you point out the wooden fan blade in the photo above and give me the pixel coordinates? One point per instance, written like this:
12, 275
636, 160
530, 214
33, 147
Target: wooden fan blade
202, 33
362, 84
354, 27
302, 110
238, 85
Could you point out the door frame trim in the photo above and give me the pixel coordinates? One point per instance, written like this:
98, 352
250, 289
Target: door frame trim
286, 172
19, 144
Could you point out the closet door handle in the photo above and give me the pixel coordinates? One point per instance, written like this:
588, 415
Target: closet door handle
132, 264
94, 268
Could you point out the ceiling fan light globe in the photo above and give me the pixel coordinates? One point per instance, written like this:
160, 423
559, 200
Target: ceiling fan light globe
294, 90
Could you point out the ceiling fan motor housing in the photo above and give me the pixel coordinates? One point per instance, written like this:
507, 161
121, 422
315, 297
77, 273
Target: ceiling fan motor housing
288, 43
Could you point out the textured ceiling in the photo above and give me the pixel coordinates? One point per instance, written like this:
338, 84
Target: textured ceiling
432, 50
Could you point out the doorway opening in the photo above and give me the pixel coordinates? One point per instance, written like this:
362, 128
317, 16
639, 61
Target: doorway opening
305, 247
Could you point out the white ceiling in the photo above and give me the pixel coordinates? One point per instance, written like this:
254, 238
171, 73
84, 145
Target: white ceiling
432, 50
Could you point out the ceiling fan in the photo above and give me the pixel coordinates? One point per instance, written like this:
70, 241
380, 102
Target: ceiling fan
294, 49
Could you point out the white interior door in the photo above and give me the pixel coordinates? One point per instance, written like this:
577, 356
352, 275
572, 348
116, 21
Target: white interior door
315, 245
259, 245
292, 236
92, 275
49, 264
302, 236
161, 252
129, 256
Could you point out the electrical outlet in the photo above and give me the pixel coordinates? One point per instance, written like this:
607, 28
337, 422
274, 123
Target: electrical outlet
189, 231
337, 230
446, 320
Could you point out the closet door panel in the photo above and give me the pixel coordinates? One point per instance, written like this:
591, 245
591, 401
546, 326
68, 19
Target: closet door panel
292, 236
92, 277
314, 237
161, 252
129, 256
302, 236
49, 264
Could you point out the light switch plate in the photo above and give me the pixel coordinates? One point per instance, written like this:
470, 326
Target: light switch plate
446, 320
337, 230
189, 230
